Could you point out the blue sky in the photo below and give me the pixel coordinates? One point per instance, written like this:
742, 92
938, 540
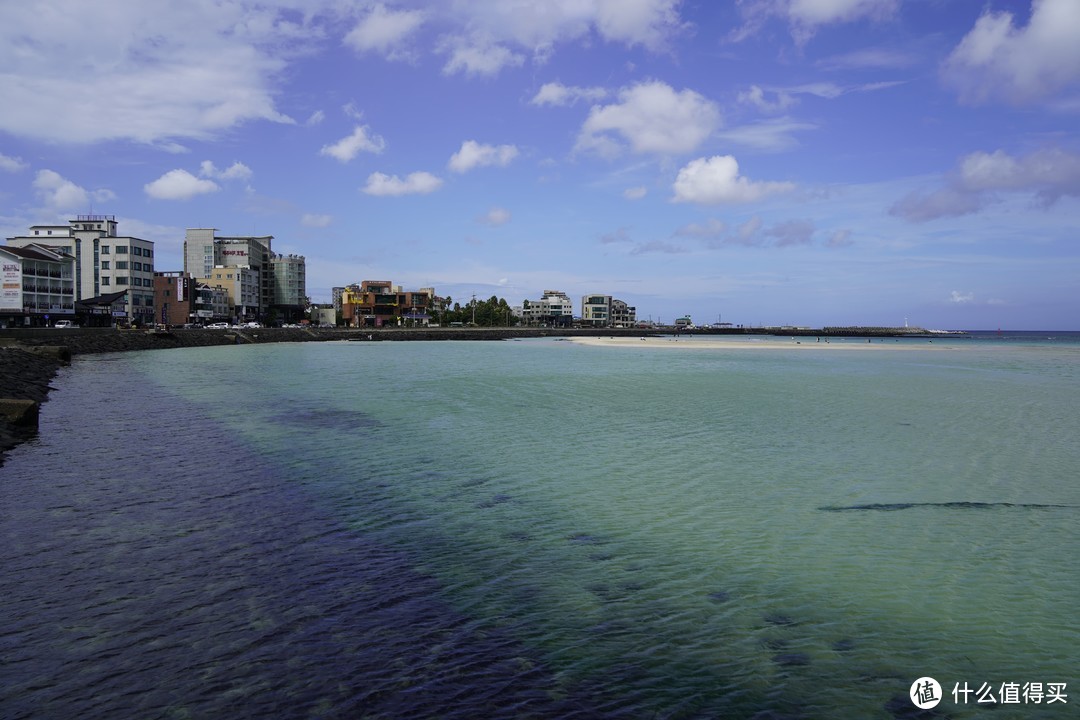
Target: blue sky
806, 162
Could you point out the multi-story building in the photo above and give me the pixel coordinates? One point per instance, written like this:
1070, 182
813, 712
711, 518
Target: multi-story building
174, 297
555, 308
38, 285
241, 285
622, 314
105, 262
205, 251
213, 304
595, 310
606, 311
290, 286
376, 303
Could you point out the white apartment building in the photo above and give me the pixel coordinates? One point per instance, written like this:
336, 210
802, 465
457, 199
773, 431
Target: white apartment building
554, 308
606, 311
105, 262
38, 286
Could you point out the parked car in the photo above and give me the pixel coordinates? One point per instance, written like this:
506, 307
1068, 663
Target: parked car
218, 326
65, 324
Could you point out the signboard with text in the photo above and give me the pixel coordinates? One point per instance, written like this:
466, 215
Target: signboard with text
11, 295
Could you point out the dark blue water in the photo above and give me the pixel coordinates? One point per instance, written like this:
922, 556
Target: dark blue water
179, 576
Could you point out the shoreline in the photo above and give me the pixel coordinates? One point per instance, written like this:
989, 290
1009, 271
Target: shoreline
773, 343
31, 358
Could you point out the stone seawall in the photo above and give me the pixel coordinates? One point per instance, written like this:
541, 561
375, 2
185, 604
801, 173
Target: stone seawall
24, 384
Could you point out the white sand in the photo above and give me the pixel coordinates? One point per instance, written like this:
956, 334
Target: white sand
757, 342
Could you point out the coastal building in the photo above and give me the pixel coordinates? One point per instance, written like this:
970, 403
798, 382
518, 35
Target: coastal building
103, 310
176, 297
205, 251
105, 261
38, 286
290, 286
240, 285
606, 311
555, 309
376, 303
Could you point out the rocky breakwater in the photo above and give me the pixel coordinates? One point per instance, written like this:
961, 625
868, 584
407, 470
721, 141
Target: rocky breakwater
25, 374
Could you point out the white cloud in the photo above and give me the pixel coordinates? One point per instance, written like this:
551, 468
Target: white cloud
236, 171
473, 155
804, 17
792, 232
417, 183
785, 97
315, 118
540, 24
1048, 174
179, 185
711, 229
823, 12
653, 118
960, 297
756, 96
316, 221
385, 31
478, 56
634, 193
747, 232
839, 238
352, 145
919, 206
772, 135
555, 93
869, 58
179, 70
715, 180
59, 193
494, 217
12, 164
1000, 61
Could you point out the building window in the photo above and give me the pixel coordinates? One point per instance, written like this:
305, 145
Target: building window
121, 249
136, 266
122, 280
136, 250
104, 264
121, 264
104, 281
104, 249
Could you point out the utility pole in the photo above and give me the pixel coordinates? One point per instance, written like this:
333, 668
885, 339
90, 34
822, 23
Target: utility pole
474, 309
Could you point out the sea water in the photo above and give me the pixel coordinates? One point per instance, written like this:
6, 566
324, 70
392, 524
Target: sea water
544, 528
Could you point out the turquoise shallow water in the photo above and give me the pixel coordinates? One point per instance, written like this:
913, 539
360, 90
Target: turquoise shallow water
636, 531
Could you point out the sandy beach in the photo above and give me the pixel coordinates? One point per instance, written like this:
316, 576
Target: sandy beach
765, 343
